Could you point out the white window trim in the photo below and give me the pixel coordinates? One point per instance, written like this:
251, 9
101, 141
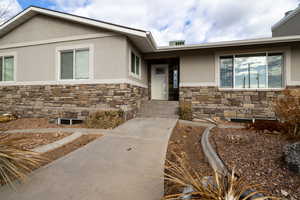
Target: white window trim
14, 54
58, 51
285, 71
134, 75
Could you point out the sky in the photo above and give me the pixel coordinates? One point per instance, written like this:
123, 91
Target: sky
195, 21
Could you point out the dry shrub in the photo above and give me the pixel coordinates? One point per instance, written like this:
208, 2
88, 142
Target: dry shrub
287, 110
222, 187
16, 162
185, 110
105, 119
269, 125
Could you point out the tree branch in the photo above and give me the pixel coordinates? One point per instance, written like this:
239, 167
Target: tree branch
4, 11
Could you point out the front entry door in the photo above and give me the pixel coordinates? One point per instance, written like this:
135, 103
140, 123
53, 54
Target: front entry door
159, 82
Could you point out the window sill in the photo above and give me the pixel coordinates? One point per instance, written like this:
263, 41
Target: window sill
136, 76
85, 79
3, 83
75, 81
251, 89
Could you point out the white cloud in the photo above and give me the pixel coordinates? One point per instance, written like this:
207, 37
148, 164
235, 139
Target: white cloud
70, 4
244, 19
165, 19
196, 21
8, 9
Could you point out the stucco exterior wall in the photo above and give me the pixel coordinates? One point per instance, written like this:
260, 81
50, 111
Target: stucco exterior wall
144, 77
290, 27
43, 27
38, 63
295, 63
197, 68
37, 90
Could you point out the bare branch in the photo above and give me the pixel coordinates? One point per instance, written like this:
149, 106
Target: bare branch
5, 9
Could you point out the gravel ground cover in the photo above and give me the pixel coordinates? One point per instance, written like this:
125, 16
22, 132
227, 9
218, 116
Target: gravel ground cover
68, 148
33, 123
186, 140
34, 140
258, 157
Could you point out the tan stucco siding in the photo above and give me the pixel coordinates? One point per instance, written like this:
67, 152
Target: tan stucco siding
290, 27
144, 77
110, 58
38, 63
42, 27
295, 64
197, 68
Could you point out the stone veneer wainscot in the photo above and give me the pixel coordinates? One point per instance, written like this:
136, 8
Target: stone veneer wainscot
211, 102
70, 101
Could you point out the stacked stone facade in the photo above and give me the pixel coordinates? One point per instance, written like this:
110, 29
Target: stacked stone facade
212, 102
70, 101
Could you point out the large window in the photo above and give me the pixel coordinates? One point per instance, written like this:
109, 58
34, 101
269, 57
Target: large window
135, 65
74, 64
252, 71
6, 68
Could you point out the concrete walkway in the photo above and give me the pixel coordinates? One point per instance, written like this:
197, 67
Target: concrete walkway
126, 164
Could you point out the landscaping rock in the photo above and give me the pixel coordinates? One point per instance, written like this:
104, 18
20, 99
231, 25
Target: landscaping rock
208, 181
53, 121
292, 156
237, 139
256, 196
284, 193
187, 190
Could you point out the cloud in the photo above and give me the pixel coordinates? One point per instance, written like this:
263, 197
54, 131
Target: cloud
167, 19
69, 5
244, 19
8, 9
195, 21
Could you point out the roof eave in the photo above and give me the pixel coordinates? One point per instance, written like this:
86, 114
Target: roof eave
286, 18
31, 11
232, 43
151, 41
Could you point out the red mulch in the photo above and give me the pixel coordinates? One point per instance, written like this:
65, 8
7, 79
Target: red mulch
257, 157
34, 140
33, 123
68, 148
186, 139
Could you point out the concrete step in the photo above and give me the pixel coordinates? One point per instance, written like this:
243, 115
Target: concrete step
162, 109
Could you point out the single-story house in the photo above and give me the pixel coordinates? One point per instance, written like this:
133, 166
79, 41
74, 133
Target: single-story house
54, 64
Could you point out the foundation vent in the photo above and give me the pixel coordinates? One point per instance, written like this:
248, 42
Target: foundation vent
69, 121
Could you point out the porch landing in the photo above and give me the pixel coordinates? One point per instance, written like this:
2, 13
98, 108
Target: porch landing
159, 109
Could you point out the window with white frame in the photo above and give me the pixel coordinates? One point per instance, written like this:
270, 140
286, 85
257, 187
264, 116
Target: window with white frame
74, 64
7, 68
262, 70
135, 65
